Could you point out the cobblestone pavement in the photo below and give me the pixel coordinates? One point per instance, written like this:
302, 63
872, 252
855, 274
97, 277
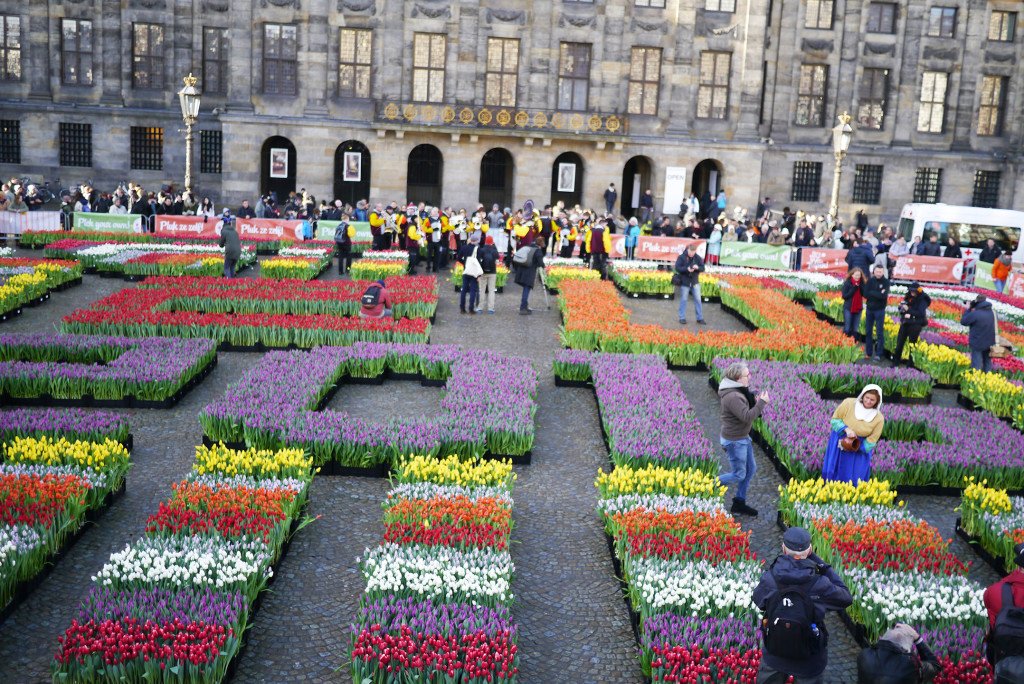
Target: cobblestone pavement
574, 626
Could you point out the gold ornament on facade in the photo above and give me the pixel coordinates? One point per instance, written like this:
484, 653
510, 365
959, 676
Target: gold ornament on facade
540, 120
522, 119
503, 118
576, 121
613, 124
466, 115
594, 123
447, 115
391, 111
409, 112
484, 117
557, 121
428, 113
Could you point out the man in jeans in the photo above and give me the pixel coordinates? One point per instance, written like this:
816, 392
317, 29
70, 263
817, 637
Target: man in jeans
688, 268
876, 294
739, 410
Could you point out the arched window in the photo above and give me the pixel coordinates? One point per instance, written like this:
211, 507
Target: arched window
425, 175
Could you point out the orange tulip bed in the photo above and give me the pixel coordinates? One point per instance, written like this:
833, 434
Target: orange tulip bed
594, 318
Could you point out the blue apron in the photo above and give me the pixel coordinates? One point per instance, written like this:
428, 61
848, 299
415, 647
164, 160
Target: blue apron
846, 466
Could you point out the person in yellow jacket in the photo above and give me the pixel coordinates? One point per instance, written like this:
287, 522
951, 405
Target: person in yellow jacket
584, 228
435, 229
376, 219
412, 244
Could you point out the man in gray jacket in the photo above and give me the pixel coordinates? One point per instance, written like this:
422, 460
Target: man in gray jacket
739, 410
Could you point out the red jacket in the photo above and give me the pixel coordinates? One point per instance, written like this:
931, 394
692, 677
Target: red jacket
384, 302
994, 595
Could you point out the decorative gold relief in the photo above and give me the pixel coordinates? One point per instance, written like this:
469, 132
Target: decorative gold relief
503, 117
391, 111
613, 124
466, 115
522, 119
447, 115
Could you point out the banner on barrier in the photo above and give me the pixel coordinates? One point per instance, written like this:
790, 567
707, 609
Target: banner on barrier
1014, 285
755, 255
325, 230
821, 260
16, 223
656, 248
269, 229
187, 226
108, 223
983, 276
929, 269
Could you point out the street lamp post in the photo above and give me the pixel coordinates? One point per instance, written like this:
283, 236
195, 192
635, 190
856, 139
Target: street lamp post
842, 135
188, 97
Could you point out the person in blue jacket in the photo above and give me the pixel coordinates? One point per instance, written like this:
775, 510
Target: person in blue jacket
632, 235
981, 320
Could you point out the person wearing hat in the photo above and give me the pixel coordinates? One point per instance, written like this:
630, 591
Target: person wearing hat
797, 586
913, 317
856, 428
1003, 650
981, 320
231, 244
376, 220
775, 236
900, 657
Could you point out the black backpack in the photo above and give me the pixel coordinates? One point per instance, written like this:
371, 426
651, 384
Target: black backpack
1007, 636
341, 233
789, 624
489, 260
372, 296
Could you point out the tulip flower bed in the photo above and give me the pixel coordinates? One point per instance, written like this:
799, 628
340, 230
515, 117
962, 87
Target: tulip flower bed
27, 282
174, 605
992, 392
500, 280
376, 269
438, 588
555, 274
251, 314
992, 520
644, 412
46, 368
688, 570
188, 258
898, 568
49, 489
43, 240
295, 267
921, 446
488, 406
800, 285
73, 424
595, 319
641, 278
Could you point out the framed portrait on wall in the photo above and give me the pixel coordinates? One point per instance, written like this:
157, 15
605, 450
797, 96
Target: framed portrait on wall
278, 162
566, 177
353, 167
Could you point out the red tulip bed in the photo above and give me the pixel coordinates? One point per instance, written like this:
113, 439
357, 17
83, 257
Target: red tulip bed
249, 314
173, 606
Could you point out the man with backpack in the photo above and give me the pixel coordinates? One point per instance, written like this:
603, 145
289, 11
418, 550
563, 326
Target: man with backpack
488, 256
343, 235
376, 301
1004, 602
793, 596
900, 657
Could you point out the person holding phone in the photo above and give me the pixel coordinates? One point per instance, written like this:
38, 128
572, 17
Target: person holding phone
740, 408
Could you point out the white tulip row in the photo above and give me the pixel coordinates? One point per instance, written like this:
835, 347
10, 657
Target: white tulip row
480, 575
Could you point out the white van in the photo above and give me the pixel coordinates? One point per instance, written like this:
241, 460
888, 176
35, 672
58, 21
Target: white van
970, 226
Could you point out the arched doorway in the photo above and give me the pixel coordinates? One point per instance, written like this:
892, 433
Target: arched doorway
707, 181
352, 172
277, 167
567, 179
496, 173
424, 174
636, 178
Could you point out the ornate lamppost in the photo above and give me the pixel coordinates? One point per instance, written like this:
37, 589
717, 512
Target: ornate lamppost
842, 135
188, 97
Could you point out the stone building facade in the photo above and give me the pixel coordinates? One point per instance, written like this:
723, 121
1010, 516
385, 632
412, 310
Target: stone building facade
463, 101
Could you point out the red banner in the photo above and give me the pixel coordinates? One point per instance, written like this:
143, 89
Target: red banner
820, 260
656, 248
1015, 285
929, 269
269, 229
187, 226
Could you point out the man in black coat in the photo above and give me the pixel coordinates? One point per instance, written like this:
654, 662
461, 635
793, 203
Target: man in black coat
990, 252
913, 317
860, 256
798, 567
981, 320
876, 297
930, 248
687, 270
526, 275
